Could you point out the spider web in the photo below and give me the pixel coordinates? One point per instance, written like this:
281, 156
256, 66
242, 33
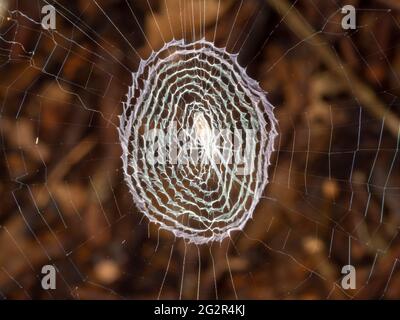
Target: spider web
333, 193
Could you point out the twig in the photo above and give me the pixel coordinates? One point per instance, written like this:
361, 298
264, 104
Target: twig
363, 93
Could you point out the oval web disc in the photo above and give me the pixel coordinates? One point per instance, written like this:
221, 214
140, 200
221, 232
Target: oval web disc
197, 135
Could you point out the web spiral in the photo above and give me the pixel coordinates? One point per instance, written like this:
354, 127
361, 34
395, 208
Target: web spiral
197, 135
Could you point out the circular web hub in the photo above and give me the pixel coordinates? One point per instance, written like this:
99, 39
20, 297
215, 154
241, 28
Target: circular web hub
197, 135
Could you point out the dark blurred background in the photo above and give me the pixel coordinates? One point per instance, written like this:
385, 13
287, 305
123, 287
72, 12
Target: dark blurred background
333, 198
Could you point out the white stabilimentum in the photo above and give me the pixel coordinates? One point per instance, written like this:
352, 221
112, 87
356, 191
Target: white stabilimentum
197, 134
